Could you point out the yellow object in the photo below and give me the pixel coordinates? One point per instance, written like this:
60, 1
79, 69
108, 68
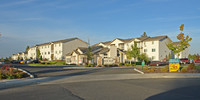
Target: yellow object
174, 67
21, 62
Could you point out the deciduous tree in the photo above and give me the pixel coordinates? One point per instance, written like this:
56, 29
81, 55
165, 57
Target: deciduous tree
133, 52
183, 43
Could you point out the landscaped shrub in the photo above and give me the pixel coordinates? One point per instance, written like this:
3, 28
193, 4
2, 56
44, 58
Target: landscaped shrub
183, 70
133, 64
138, 63
165, 69
106, 65
191, 67
7, 72
127, 64
99, 65
121, 64
19, 74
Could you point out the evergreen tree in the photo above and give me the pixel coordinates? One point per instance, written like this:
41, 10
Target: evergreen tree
89, 54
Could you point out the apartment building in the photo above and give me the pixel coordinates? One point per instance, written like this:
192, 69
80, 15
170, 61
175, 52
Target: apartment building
100, 55
56, 50
183, 54
19, 56
154, 47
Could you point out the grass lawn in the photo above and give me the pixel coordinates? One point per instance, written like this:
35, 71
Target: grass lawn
51, 63
197, 67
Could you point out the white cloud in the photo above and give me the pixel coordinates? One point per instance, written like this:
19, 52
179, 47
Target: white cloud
16, 3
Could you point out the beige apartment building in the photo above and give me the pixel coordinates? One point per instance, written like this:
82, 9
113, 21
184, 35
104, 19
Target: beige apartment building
56, 50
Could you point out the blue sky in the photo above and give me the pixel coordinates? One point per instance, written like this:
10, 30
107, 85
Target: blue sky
31, 22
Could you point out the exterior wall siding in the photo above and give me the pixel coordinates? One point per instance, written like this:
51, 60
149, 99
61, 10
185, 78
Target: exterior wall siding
68, 47
163, 49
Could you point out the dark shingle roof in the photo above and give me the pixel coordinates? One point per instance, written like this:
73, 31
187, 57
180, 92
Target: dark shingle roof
62, 41
156, 38
104, 50
94, 49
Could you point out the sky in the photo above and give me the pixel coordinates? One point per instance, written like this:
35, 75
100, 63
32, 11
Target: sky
29, 22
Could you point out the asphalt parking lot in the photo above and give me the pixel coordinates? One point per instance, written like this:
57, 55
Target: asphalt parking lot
49, 71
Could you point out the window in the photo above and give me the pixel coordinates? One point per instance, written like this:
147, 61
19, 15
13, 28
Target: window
152, 42
56, 52
48, 46
59, 51
59, 44
45, 53
48, 52
153, 50
145, 50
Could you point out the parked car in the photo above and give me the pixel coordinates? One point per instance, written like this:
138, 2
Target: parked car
15, 61
197, 61
2, 62
28, 61
155, 63
184, 61
35, 61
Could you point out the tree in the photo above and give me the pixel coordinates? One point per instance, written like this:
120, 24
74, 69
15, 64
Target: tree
38, 53
89, 54
27, 49
134, 52
194, 57
182, 44
129, 55
144, 57
2, 59
40, 57
144, 34
169, 56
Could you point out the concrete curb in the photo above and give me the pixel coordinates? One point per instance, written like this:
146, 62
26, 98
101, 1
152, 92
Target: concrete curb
31, 76
138, 71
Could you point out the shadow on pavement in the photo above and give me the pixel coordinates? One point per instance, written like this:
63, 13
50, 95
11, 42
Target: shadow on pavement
184, 93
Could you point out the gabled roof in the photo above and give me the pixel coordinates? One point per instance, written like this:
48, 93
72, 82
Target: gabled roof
131, 39
59, 41
84, 50
104, 50
157, 38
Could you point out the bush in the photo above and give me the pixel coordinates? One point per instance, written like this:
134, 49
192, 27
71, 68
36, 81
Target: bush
127, 64
191, 67
90, 65
133, 64
183, 70
99, 65
165, 69
138, 63
121, 64
19, 74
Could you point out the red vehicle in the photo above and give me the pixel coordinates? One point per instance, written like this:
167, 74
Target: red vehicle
155, 63
197, 61
184, 61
